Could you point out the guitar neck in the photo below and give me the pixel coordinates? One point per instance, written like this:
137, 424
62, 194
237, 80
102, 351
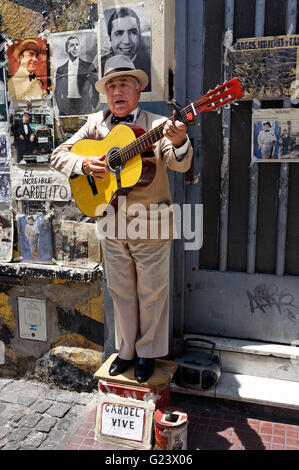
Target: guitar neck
149, 138
212, 100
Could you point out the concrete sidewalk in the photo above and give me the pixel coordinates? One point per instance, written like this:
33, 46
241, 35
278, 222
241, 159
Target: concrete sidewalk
38, 416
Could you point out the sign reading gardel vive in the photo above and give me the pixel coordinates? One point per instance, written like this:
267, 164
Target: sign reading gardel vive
123, 421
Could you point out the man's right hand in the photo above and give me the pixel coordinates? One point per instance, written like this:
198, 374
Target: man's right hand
21, 137
95, 166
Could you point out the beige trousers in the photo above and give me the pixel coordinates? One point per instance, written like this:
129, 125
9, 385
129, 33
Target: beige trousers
138, 280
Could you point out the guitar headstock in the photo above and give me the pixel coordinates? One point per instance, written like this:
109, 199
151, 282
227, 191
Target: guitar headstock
221, 95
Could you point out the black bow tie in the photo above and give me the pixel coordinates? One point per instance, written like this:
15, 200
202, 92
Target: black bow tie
32, 76
117, 119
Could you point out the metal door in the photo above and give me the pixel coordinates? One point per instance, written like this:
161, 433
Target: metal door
243, 282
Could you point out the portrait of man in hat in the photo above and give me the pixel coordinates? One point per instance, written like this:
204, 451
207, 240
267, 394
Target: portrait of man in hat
266, 141
24, 136
137, 270
24, 59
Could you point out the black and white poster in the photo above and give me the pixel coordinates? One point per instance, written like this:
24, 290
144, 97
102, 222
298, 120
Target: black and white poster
6, 234
126, 30
80, 245
32, 134
3, 102
75, 72
5, 181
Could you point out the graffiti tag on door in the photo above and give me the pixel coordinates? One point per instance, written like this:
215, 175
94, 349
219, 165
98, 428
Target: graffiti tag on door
266, 297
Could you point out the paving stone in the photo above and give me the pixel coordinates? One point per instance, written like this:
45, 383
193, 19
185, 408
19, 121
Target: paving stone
30, 420
34, 439
41, 406
82, 398
12, 446
46, 424
66, 397
26, 387
65, 423
9, 397
9, 413
18, 434
19, 415
4, 382
54, 438
4, 431
25, 400
59, 410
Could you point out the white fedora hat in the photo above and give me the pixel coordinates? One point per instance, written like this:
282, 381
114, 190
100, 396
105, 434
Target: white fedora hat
120, 65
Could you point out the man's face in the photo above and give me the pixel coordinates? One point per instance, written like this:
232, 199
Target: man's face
25, 118
73, 49
29, 60
125, 36
266, 127
122, 95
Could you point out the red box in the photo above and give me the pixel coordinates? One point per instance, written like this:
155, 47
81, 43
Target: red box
159, 396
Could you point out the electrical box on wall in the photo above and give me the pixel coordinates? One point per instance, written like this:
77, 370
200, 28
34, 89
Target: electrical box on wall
32, 319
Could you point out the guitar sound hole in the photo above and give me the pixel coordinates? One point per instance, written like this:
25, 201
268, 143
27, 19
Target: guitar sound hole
113, 159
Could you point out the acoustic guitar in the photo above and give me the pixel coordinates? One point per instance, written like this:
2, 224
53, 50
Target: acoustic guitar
128, 152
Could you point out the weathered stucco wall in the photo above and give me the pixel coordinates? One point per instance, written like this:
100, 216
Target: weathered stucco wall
74, 299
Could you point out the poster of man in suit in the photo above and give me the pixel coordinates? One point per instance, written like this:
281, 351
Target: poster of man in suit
75, 72
35, 238
275, 135
32, 134
126, 31
24, 136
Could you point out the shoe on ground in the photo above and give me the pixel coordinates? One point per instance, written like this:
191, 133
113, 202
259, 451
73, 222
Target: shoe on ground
119, 365
144, 369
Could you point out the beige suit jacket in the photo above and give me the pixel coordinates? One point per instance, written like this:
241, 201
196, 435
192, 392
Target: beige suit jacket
157, 192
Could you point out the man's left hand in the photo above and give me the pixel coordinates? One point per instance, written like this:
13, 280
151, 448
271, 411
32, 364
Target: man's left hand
176, 132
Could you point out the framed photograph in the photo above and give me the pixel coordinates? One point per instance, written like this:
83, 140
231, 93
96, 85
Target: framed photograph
75, 72
35, 238
32, 134
275, 135
28, 69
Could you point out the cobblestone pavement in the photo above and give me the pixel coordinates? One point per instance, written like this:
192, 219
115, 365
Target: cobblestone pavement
38, 416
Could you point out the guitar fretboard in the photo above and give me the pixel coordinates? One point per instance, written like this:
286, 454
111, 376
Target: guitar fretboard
149, 138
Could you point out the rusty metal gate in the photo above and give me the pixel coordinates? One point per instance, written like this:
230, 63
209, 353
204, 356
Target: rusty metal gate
243, 282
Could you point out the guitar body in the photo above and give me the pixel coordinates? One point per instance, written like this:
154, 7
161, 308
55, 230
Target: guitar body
92, 195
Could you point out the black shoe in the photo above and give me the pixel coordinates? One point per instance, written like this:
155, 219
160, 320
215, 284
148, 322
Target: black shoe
144, 369
118, 366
